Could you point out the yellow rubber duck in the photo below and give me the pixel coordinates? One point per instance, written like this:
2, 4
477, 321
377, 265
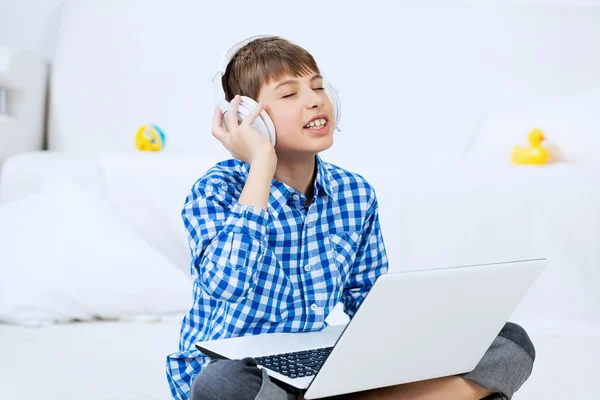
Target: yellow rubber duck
535, 154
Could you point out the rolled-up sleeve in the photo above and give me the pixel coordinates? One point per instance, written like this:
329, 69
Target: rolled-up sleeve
226, 239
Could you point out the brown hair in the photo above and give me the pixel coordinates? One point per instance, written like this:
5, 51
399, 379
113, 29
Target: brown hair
261, 61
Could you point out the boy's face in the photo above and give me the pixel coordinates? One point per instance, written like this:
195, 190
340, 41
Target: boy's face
294, 102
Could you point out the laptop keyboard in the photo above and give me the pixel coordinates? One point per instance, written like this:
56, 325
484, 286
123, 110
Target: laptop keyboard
298, 364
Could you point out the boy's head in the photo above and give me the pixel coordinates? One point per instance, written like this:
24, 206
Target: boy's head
287, 80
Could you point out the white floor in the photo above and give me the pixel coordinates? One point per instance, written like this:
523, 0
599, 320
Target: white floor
125, 361
565, 368
91, 361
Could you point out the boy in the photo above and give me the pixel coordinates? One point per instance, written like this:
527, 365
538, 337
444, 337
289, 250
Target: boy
278, 237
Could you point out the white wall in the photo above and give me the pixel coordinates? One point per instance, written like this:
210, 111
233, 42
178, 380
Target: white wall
442, 69
32, 24
545, 47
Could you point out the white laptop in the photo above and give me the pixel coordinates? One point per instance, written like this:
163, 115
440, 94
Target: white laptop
411, 326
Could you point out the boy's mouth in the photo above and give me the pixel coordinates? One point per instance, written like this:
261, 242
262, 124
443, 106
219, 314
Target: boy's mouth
318, 124
318, 129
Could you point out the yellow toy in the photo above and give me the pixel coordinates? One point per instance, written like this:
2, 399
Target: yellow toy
150, 138
535, 154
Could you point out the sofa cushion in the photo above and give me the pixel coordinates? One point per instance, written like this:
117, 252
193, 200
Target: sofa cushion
66, 256
148, 191
23, 174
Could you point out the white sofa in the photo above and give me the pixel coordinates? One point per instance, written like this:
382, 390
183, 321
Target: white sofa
417, 104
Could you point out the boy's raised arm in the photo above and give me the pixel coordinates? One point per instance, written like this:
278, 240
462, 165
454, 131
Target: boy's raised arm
227, 235
258, 185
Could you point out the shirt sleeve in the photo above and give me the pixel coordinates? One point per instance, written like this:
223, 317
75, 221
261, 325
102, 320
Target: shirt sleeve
371, 261
226, 239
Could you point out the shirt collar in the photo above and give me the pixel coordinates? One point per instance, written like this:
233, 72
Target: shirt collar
281, 192
324, 180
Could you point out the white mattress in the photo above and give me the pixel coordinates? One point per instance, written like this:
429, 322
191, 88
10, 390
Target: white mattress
125, 361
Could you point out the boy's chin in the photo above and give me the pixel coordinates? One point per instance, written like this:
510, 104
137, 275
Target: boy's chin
318, 143
306, 146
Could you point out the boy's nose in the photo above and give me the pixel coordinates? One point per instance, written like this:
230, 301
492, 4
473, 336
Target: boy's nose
315, 101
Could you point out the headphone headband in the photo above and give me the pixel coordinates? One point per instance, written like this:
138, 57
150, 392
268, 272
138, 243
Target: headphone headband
229, 53
225, 60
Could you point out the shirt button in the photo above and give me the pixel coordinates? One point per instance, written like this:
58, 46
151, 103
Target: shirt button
314, 307
307, 267
295, 197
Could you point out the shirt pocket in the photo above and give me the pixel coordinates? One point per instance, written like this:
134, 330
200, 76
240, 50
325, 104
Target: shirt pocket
343, 247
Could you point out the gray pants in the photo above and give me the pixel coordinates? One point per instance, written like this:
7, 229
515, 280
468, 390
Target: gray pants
505, 366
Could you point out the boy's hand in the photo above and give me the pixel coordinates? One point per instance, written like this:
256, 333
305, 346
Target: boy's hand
243, 141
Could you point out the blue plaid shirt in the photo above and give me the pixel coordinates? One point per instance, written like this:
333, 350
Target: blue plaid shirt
279, 270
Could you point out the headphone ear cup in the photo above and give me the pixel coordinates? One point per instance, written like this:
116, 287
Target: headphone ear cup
336, 102
263, 123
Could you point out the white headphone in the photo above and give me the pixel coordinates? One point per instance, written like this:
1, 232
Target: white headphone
263, 122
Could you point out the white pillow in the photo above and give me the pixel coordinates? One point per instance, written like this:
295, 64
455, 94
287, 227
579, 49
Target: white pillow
64, 255
148, 190
571, 125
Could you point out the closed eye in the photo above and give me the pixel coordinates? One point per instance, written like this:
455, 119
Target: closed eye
293, 94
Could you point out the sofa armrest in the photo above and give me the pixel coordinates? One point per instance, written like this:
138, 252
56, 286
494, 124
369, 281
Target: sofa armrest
23, 86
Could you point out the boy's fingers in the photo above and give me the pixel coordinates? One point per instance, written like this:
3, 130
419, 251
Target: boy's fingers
217, 120
231, 114
217, 128
250, 118
220, 134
